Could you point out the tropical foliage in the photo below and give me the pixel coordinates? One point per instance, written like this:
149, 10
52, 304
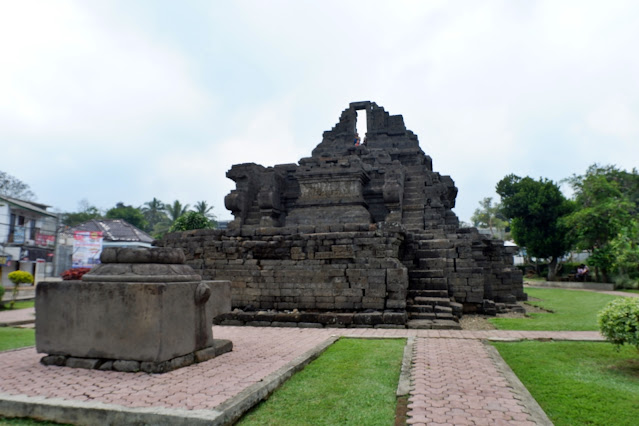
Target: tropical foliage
605, 222
489, 216
191, 220
536, 209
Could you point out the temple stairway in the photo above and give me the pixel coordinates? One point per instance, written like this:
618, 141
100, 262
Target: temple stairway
414, 200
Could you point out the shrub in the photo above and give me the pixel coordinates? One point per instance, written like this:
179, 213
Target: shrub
20, 277
619, 321
17, 278
74, 274
189, 221
1, 294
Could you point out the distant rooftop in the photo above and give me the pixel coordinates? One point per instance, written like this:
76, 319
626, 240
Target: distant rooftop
28, 205
115, 230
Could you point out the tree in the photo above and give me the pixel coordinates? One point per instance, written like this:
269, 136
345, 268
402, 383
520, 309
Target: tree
191, 220
175, 210
129, 214
536, 209
153, 212
85, 213
14, 187
490, 216
605, 222
204, 209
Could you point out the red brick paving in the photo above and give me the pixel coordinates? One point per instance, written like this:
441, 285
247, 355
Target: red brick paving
454, 380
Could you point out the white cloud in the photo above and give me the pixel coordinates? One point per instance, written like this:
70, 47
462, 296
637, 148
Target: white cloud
533, 88
67, 72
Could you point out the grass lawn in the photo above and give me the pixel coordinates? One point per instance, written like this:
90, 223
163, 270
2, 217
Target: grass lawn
13, 338
571, 310
630, 291
578, 383
21, 304
352, 383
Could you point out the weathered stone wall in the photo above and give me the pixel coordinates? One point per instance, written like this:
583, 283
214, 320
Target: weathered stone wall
338, 267
354, 227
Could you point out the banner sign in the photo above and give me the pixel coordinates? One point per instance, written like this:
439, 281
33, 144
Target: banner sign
45, 240
87, 247
5, 260
18, 235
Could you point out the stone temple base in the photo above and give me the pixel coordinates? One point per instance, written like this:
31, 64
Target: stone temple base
219, 347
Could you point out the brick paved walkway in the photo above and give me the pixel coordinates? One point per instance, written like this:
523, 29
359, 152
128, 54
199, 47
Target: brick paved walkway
12, 317
454, 379
455, 382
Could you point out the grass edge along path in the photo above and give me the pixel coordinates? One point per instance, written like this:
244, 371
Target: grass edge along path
578, 382
353, 382
19, 304
572, 310
14, 338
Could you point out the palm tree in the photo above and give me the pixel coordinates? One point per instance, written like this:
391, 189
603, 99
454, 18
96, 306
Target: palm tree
153, 212
175, 210
204, 209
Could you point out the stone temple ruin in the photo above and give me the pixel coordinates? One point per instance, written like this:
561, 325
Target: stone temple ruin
357, 235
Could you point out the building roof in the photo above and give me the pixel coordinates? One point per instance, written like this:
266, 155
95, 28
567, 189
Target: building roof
28, 205
115, 230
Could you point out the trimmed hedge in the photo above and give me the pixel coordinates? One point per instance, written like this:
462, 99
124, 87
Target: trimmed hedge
619, 321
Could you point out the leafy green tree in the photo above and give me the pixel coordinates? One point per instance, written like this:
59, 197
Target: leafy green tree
13, 187
85, 213
154, 213
204, 209
489, 216
536, 209
129, 214
605, 222
191, 220
175, 210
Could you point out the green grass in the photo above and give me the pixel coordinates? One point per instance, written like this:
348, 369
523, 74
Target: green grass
353, 382
628, 291
578, 383
13, 338
571, 310
21, 304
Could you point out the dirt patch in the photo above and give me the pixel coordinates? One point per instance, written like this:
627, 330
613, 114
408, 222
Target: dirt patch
401, 412
480, 322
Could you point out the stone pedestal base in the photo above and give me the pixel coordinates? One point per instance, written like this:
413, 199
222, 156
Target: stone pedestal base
219, 347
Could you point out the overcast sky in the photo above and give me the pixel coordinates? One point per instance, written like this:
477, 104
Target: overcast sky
128, 100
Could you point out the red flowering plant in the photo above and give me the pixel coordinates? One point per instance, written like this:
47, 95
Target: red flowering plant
74, 273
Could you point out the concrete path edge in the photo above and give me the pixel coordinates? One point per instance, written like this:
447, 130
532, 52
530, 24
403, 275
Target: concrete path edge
536, 412
403, 386
91, 413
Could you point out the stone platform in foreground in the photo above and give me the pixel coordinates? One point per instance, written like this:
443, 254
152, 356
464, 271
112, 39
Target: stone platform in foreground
220, 390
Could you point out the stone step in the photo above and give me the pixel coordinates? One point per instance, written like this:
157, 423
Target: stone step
458, 309
432, 301
437, 324
426, 273
427, 293
414, 206
441, 309
422, 285
445, 316
420, 308
422, 315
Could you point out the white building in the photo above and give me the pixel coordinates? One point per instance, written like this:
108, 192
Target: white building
27, 238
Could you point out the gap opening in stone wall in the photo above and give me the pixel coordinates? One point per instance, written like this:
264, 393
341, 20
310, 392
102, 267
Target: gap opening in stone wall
361, 126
